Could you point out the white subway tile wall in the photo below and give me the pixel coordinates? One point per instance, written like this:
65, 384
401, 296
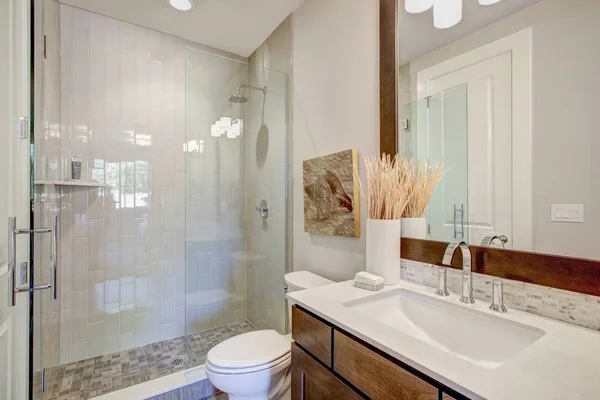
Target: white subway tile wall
160, 252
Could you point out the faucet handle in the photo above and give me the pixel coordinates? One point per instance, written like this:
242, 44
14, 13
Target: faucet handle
467, 288
498, 296
442, 289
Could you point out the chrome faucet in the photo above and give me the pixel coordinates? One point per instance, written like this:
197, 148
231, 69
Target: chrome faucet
467, 274
442, 289
498, 296
488, 240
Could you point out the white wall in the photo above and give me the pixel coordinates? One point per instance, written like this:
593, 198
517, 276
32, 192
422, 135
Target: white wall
565, 86
336, 107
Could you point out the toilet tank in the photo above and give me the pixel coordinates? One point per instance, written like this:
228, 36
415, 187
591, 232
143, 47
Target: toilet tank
301, 280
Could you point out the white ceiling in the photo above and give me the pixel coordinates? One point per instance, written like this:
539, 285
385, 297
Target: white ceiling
418, 36
235, 26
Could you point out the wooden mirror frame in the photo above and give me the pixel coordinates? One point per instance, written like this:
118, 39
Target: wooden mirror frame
567, 273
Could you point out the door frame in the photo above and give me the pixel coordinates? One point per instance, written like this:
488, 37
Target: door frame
17, 72
518, 45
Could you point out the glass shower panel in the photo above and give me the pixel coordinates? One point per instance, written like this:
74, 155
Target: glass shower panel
213, 226
235, 157
415, 127
265, 143
437, 130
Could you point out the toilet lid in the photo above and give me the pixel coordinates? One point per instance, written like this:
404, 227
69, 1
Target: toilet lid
249, 350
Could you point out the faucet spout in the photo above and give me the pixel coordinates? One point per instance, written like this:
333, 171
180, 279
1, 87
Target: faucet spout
467, 274
466, 253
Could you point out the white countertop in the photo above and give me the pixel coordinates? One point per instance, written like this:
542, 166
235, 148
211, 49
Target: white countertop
563, 364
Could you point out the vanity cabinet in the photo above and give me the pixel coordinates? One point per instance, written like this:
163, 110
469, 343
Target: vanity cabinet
328, 363
312, 381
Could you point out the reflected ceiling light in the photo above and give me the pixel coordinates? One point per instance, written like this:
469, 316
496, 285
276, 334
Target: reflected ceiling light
417, 6
447, 13
230, 127
181, 5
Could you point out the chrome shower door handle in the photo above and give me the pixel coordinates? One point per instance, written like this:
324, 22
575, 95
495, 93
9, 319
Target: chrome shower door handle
13, 290
460, 210
12, 262
54, 257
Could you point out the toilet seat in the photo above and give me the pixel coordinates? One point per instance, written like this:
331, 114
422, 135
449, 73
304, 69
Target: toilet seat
249, 352
238, 371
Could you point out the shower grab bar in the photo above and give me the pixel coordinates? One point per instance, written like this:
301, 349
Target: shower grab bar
13, 290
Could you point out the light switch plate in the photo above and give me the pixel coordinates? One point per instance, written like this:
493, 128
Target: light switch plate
567, 213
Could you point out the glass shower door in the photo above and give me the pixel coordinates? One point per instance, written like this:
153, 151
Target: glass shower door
15, 199
436, 129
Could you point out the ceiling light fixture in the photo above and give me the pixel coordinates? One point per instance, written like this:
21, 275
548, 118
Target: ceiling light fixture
446, 13
181, 5
417, 6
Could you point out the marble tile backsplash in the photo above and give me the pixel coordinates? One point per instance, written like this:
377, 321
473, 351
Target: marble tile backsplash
562, 305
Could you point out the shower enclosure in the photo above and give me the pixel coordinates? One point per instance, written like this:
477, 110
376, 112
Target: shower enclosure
172, 238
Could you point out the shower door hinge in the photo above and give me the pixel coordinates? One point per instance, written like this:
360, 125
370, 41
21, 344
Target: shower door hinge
23, 128
406, 124
45, 47
428, 98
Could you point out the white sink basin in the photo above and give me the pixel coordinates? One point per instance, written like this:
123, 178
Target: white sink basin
481, 339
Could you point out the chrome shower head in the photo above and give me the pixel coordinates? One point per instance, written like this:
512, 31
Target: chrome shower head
238, 98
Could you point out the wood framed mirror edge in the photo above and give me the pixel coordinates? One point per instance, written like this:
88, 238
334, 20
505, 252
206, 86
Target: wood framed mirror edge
561, 272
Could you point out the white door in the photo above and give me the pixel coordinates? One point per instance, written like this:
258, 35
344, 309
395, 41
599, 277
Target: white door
14, 196
489, 143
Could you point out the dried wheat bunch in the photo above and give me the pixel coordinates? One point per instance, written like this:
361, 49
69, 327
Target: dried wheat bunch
423, 179
387, 191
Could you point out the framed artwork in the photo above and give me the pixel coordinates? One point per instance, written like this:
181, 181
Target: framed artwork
331, 195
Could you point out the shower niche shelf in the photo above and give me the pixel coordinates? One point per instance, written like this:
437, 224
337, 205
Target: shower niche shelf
70, 183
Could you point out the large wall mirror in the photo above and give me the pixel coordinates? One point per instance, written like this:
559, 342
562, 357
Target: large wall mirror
508, 99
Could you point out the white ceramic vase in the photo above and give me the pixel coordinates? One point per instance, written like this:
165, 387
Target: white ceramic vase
415, 228
383, 249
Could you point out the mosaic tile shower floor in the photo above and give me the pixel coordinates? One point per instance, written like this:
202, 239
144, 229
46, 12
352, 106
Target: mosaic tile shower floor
92, 377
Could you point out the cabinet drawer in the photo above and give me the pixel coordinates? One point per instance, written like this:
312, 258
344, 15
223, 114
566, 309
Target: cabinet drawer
312, 381
376, 376
312, 334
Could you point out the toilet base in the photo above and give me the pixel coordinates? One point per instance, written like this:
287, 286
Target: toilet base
270, 384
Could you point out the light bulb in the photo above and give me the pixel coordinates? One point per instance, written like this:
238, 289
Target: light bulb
417, 6
488, 2
181, 5
447, 13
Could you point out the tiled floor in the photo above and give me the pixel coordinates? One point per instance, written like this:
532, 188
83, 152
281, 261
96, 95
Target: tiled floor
100, 375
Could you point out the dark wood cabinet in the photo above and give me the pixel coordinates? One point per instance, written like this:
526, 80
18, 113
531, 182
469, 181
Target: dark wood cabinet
328, 363
313, 381
375, 375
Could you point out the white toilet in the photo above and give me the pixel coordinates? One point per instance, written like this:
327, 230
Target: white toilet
256, 365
